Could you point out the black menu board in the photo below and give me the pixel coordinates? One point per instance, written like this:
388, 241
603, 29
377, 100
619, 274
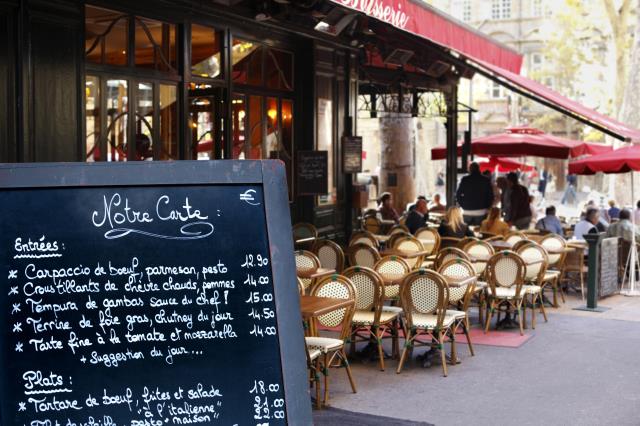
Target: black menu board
312, 178
149, 294
352, 154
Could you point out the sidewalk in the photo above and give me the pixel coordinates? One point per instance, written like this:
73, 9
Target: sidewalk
580, 368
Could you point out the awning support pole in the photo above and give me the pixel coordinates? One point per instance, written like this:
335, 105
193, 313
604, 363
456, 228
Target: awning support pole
452, 143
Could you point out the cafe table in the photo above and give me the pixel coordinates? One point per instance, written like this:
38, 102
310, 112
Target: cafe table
509, 322
501, 245
305, 240
405, 253
315, 306
382, 239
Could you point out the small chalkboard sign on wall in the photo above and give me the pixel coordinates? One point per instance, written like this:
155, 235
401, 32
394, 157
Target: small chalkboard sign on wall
608, 280
149, 294
352, 154
312, 177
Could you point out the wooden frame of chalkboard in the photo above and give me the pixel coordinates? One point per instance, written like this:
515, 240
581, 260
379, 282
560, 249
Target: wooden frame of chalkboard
269, 174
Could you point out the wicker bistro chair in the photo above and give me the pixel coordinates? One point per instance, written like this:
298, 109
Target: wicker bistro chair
363, 237
505, 276
464, 241
370, 321
332, 350
425, 297
429, 234
554, 245
535, 259
398, 228
574, 263
449, 253
394, 238
394, 269
513, 237
460, 297
411, 244
314, 369
479, 252
306, 262
362, 254
372, 224
520, 243
330, 254
304, 230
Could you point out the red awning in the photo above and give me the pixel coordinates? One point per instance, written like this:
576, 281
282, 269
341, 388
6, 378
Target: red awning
555, 100
504, 165
619, 161
425, 21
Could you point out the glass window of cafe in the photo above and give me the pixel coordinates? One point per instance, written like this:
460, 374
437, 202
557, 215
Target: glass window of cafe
130, 87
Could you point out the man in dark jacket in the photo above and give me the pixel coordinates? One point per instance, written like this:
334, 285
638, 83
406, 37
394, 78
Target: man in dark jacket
417, 217
475, 196
520, 212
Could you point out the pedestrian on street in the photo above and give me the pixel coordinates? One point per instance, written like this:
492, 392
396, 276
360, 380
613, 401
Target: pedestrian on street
520, 211
570, 190
475, 195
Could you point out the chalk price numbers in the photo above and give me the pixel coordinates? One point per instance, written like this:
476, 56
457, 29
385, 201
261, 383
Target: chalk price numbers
263, 316
266, 402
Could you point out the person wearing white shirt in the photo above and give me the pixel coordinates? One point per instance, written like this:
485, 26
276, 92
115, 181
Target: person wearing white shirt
587, 225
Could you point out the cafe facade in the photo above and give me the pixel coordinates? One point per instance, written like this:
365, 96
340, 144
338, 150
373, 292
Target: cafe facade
104, 81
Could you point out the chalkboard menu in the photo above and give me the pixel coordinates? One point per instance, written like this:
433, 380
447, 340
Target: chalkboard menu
352, 154
311, 173
149, 294
608, 279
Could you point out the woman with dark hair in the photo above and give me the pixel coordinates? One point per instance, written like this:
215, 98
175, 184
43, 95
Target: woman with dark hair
453, 224
385, 208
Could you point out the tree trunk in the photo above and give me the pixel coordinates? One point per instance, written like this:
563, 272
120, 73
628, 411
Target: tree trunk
618, 19
398, 136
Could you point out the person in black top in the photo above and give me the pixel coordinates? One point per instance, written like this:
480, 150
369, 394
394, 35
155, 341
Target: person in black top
475, 195
453, 225
417, 217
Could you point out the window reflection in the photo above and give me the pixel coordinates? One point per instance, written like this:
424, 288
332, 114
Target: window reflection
106, 36
117, 107
143, 149
92, 120
202, 132
239, 115
168, 122
246, 57
205, 52
155, 45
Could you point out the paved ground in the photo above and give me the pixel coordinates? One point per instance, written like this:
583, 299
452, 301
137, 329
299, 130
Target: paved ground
577, 369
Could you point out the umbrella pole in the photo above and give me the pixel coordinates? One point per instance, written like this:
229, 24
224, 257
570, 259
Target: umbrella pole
633, 253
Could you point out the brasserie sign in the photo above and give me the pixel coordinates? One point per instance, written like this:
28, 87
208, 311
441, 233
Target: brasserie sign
383, 10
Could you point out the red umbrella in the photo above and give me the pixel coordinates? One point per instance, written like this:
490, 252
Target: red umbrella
527, 142
619, 161
504, 165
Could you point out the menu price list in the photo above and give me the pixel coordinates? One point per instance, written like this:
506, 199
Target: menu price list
140, 329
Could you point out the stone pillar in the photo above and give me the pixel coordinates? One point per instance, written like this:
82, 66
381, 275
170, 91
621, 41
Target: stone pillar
397, 169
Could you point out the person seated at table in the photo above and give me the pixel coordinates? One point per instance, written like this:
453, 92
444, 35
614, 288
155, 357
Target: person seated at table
550, 222
587, 225
453, 225
385, 208
436, 205
494, 223
413, 205
623, 228
417, 217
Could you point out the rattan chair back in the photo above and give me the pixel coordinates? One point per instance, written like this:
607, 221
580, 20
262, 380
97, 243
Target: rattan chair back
398, 228
505, 269
301, 288
449, 253
304, 230
411, 244
392, 267
520, 243
446, 242
306, 261
372, 224
369, 288
330, 254
394, 238
363, 255
514, 236
551, 243
427, 233
535, 259
364, 237
424, 292
337, 287
464, 241
458, 268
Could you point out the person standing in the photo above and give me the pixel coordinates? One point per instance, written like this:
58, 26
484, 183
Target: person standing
614, 211
570, 190
520, 211
417, 217
475, 195
542, 182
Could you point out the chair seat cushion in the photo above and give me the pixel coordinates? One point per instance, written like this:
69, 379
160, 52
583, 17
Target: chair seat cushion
480, 285
531, 289
427, 264
504, 292
323, 344
456, 314
429, 321
366, 317
313, 353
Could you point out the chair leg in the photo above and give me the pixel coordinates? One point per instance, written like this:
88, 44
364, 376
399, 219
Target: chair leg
554, 286
523, 311
407, 344
561, 290
454, 351
326, 379
581, 284
520, 319
316, 381
489, 315
345, 361
465, 330
534, 298
542, 308
443, 356
379, 334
